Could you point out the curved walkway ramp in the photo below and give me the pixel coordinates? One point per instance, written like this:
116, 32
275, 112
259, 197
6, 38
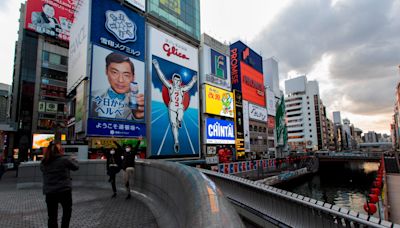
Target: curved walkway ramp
175, 195
268, 206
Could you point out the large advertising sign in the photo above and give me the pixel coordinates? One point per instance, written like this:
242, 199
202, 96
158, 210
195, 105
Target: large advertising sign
239, 133
252, 85
247, 55
216, 68
41, 140
117, 27
257, 113
117, 86
271, 104
218, 101
182, 14
78, 46
220, 131
115, 129
80, 107
174, 95
246, 124
50, 17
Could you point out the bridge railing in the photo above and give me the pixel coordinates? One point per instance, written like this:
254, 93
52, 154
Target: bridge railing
266, 206
349, 154
178, 195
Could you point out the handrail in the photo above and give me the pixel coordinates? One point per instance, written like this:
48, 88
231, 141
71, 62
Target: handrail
263, 196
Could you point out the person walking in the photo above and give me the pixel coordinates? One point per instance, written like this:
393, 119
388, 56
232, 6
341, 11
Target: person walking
128, 165
114, 163
57, 183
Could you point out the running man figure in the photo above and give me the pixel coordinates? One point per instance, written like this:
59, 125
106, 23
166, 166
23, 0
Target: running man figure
175, 106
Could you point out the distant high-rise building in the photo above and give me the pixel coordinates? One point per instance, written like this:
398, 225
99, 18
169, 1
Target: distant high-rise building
370, 137
305, 114
337, 118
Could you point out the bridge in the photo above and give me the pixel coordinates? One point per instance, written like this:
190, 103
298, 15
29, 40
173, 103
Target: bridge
182, 196
347, 156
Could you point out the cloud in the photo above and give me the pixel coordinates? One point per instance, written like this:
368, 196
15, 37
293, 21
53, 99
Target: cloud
359, 36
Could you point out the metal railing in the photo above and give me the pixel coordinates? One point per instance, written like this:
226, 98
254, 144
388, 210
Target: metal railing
266, 206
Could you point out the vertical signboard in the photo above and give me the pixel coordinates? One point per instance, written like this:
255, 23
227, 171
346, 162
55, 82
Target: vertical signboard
218, 102
80, 107
246, 129
280, 125
271, 105
174, 93
78, 46
50, 17
239, 133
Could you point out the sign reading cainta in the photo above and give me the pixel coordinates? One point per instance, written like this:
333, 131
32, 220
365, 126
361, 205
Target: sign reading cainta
220, 131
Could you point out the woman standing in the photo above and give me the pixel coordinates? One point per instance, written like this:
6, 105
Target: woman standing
113, 167
57, 183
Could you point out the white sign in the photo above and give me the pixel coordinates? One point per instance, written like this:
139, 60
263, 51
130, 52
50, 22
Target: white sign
42, 106
212, 160
140, 4
51, 107
271, 108
257, 113
246, 126
78, 46
172, 49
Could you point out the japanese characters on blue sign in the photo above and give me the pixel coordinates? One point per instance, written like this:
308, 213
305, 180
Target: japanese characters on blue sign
220, 131
117, 129
117, 27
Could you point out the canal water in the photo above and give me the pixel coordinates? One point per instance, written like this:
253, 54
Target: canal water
343, 184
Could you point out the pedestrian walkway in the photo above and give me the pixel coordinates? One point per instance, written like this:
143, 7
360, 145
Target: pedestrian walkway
91, 208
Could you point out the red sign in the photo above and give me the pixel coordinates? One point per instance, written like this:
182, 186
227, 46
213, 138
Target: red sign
271, 122
252, 85
50, 17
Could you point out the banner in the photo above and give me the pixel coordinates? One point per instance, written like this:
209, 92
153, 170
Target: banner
117, 86
218, 101
174, 94
50, 17
115, 129
219, 131
117, 27
80, 107
257, 113
239, 132
271, 104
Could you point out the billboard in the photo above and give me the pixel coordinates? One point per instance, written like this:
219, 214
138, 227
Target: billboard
41, 140
257, 113
80, 107
140, 4
216, 68
271, 105
218, 101
239, 129
115, 129
246, 124
174, 96
78, 46
117, 86
219, 131
117, 27
247, 55
252, 85
50, 17
181, 14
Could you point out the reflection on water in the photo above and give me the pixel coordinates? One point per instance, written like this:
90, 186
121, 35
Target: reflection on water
342, 184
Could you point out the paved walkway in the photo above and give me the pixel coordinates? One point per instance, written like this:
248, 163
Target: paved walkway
393, 184
91, 208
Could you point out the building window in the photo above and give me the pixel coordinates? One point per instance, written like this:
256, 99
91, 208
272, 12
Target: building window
251, 127
255, 128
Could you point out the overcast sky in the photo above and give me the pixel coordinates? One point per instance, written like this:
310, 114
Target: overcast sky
350, 46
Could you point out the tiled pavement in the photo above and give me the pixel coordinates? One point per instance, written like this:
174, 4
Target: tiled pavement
91, 208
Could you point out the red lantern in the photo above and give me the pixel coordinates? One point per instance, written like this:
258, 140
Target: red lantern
373, 198
370, 208
375, 191
377, 184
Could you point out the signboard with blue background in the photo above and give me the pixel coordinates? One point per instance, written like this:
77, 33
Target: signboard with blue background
117, 27
220, 131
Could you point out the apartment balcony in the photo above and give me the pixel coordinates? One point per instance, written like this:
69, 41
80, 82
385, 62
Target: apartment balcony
298, 112
289, 108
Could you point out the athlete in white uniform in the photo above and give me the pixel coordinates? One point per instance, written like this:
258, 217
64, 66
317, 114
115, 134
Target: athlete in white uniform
175, 106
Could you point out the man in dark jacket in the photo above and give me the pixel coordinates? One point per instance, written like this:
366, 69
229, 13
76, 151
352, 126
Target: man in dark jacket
128, 165
57, 184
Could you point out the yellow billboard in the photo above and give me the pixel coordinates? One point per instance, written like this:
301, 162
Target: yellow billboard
218, 101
